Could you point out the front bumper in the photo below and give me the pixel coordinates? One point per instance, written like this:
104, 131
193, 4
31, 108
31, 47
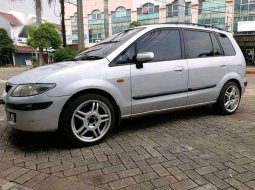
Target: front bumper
36, 113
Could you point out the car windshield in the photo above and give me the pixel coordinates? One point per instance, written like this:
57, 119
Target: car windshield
107, 46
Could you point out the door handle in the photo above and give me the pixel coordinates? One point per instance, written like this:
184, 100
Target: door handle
223, 66
179, 69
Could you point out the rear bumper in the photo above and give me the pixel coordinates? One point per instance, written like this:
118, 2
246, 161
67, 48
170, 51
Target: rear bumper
244, 85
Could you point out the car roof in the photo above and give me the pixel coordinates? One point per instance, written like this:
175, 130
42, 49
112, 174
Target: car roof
185, 25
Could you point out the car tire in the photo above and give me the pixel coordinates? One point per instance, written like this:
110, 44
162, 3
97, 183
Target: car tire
229, 99
88, 119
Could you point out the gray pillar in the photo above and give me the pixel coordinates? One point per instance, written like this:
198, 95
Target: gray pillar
181, 11
80, 24
106, 19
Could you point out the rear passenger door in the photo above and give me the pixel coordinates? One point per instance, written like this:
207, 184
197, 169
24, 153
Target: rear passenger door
207, 65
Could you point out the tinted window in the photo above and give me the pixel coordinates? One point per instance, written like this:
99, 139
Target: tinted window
165, 44
198, 44
216, 47
127, 56
226, 45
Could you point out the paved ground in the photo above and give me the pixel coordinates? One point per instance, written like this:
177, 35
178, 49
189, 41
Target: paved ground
8, 72
192, 149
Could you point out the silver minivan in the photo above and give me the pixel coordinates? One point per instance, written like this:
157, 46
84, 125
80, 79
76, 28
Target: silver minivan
139, 71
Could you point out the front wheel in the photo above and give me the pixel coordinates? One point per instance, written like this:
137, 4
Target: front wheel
88, 119
229, 99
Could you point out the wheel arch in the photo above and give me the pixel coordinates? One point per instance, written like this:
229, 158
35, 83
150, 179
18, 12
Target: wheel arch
91, 91
237, 82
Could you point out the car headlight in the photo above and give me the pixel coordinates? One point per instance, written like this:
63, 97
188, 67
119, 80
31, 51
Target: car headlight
24, 90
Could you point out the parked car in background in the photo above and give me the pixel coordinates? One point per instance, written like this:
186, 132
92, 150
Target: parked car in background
139, 71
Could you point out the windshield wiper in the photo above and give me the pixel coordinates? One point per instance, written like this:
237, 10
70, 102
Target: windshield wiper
109, 42
88, 58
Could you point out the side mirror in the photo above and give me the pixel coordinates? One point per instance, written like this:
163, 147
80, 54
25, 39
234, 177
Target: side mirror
143, 57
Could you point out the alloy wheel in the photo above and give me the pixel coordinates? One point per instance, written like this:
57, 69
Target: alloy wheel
231, 98
91, 121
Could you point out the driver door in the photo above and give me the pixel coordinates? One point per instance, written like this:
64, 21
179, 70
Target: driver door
163, 82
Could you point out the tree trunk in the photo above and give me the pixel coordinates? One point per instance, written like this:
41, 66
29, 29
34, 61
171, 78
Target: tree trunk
63, 27
38, 10
80, 25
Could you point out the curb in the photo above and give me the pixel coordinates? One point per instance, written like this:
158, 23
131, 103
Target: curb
250, 72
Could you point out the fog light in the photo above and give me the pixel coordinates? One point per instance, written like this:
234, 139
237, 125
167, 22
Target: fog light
13, 117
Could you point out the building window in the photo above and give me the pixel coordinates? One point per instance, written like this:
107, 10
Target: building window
212, 12
187, 9
148, 14
74, 24
121, 12
96, 15
148, 8
172, 12
172, 9
121, 19
247, 1
96, 26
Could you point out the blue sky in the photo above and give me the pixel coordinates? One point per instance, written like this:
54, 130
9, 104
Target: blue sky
27, 7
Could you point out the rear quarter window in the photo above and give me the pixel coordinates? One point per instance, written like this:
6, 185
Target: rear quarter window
226, 45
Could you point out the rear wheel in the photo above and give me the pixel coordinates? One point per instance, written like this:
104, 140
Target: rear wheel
88, 119
229, 99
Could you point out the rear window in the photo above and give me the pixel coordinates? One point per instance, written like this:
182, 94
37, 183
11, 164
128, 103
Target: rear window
226, 45
198, 44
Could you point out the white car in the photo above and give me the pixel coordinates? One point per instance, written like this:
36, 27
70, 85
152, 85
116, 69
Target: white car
138, 71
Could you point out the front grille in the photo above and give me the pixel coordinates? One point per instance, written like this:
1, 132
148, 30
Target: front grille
8, 87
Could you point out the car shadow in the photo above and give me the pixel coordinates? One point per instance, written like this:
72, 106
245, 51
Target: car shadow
44, 142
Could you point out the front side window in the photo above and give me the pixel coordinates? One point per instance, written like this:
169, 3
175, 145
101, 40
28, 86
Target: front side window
127, 56
165, 44
198, 44
226, 45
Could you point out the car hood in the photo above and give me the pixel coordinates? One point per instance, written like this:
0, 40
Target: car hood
37, 74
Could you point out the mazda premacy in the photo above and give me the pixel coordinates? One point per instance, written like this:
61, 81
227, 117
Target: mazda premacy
138, 71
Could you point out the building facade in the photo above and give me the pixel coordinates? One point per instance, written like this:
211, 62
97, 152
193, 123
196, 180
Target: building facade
236, 16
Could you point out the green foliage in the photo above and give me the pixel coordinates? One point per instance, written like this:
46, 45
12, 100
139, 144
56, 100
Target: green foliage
6, 44
34, 59
134, 24
45, 36
30, 29
64, 54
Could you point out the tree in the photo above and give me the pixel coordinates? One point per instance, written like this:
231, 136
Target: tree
63, 26
38, 12
6, 45
134, 24
44, 37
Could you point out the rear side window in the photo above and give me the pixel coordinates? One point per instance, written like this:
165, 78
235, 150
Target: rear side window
216, 47
226, 45
198, 44
165, 44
